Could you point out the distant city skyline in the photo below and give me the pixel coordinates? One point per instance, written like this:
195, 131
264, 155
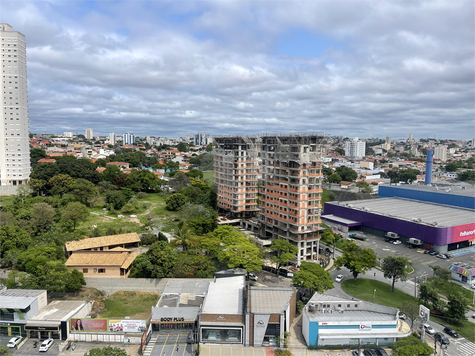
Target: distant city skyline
349, 68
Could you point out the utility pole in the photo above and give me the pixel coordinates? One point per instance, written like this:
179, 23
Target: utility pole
374, 294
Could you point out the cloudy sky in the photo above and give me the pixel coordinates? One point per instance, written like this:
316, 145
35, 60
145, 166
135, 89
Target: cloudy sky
171, 68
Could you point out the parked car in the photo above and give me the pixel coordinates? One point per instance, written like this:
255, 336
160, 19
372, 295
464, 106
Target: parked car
253, 277
46, 345
339, 278
426, 252
441, 338
451, 332
355, 353
380, 352
402, 316
428, 329
14, 341
396, 242
433, 253
442, 256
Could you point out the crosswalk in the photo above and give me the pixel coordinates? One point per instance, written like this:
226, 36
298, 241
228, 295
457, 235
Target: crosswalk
462, 347
150, 346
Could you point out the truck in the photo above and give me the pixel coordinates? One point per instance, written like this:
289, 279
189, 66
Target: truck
414, 241
356, 236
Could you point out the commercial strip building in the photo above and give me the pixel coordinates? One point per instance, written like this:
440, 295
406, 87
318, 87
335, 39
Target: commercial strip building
27, 313
329, 320
225, 310
463, 273
14, 128
440, 227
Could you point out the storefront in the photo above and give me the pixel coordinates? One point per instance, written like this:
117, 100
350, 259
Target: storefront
44, 330
11, 329
174, 323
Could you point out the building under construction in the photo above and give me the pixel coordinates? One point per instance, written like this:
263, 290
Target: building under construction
235, 175
291, 191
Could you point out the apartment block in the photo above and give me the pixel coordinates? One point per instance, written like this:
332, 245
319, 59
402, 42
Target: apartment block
14, 139
355, 149
89, 134
292, 190
236, 168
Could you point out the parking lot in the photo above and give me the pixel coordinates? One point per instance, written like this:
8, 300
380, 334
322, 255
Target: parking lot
168, 345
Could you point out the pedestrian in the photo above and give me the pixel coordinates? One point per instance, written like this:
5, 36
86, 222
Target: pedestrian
177, 347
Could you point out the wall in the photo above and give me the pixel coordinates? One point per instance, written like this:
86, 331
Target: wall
429, 234
216, 319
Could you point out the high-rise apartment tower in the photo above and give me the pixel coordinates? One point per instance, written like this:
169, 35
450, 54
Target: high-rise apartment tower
292, 190
235, 175
14, 138
89, 134
355, 149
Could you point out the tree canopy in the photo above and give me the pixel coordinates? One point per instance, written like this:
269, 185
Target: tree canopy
395, 268
313, 277
357, 260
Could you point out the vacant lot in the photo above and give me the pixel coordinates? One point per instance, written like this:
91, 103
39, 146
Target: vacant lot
136, 305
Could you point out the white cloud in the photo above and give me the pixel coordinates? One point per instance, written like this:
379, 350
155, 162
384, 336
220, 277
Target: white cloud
174, 68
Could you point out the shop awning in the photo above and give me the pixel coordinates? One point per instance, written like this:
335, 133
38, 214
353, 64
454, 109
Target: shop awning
341, 221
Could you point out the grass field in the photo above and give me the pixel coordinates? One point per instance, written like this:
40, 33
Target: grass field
208, 177
137, 305
363, 289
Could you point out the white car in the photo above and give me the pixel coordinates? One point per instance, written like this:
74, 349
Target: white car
14, 341
396, 242
429, 329
339, 278
46, 345
253, 277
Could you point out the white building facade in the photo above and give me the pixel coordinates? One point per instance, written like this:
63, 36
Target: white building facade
355, 148
440, 152
89, 134
14, 138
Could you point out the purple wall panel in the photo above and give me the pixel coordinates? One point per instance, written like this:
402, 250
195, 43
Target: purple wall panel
430, 234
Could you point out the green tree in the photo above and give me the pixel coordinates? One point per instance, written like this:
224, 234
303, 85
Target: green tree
357, 260
428, 295
59, 184
313, 277
106, 351
365, 188
37, 185
411, 309
179, 181
194, 265
441, 273
116, 198
44, 171
158, 262
110, 173
13, 238
334, 178
42, 216
341, 151
457, 306
347, 174
79, 168
173, 166
411, 346
466, 175
4, 350
284, 251
74, 212
326, 171
75, 281
36, 154
394, 267
183, 147
83, 190
195, 173
143, 181
183, 237
175, 202
233, 248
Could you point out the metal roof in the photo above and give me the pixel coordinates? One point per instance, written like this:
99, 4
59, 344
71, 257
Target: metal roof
464, 189
187, 286
416, 211
58, 310
225, 296
18, 298
269, 300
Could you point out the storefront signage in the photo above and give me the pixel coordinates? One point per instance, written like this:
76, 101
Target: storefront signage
221, 318
172, 319
45, 328
365, 326
260, 324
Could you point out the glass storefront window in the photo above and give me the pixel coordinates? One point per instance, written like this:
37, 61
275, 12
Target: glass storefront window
222, 335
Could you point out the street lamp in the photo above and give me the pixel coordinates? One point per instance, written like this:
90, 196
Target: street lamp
374, 294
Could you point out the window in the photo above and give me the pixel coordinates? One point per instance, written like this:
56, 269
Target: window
348, 305
101, 270
85, 270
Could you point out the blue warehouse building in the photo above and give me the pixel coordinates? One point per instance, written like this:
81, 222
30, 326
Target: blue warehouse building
462, 196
